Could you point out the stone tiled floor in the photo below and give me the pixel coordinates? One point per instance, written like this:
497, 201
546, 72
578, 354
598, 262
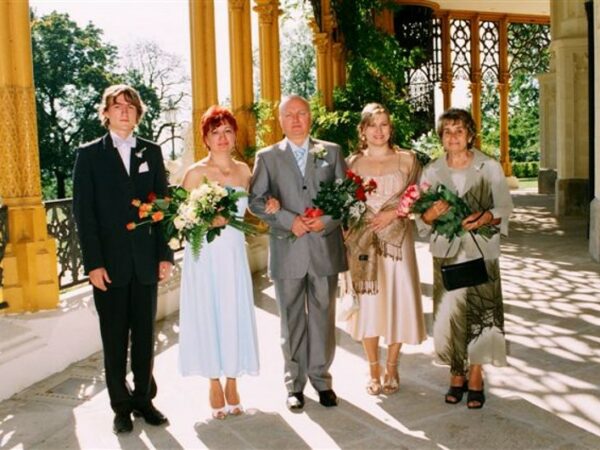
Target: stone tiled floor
548, 397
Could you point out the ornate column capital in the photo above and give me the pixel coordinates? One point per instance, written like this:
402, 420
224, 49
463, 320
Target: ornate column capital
236, 4
321, 41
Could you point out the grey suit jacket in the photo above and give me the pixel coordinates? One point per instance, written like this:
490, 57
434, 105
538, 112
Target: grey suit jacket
276, 174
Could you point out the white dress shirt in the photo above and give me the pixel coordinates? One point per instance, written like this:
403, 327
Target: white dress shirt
124, 147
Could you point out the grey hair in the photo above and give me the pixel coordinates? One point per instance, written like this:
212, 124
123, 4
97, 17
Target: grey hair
288, 98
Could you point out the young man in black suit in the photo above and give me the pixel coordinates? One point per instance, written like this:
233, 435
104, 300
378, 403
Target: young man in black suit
124, 266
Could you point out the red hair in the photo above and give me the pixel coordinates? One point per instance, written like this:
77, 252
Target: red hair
214, 117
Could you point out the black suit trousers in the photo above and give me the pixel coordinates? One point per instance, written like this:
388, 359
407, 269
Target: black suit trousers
125, 313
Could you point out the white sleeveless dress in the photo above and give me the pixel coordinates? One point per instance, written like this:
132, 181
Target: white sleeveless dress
217, 325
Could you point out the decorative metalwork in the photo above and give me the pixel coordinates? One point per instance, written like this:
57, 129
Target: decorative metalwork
461, 49
436, 68
3, 237
528, 51
61, 225
419, 33
489, 48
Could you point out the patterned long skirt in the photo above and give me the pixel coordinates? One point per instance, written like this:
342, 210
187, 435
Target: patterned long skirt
468, 323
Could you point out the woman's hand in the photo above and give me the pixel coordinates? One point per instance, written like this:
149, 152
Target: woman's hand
272, 205
435, 211
219, 222
382, 219
477, 220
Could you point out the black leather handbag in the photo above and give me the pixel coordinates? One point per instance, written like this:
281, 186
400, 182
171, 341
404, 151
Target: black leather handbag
466, 273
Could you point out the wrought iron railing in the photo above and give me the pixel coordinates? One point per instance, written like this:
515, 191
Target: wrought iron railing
3, 239
61, 225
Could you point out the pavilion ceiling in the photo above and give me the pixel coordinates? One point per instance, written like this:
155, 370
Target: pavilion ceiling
521, 7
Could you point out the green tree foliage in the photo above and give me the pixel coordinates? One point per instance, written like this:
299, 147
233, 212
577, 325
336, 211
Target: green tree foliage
376, 67
72, 66
529, 56
161, 81
298, 74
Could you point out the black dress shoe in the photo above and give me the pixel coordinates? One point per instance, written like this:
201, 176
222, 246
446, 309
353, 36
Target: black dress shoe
122, 423
295, 401
151, 415
328, 398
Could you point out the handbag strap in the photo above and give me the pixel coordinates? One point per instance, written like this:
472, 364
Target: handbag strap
472, 235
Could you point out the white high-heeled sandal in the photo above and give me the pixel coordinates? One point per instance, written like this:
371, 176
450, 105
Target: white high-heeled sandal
374, 385
235, 410
220, 413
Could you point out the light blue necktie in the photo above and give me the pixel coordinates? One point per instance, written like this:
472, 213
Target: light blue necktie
301, 156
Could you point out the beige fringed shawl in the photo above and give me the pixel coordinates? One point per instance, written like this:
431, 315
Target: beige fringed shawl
364, 245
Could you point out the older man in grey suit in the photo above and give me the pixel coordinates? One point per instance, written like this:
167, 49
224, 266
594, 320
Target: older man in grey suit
305, 267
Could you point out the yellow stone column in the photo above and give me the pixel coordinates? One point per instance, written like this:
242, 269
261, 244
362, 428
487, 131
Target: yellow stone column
475, 85
270, 82
447, 76
503, 89
204, 65
240, 54
321, 43
339, 64
30, 267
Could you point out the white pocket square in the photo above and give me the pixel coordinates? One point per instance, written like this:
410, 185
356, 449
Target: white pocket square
143, 167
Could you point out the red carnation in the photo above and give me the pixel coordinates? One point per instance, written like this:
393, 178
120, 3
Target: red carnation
151, 197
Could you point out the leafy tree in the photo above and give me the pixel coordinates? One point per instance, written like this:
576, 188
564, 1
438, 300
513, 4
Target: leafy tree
72, 66
297, 52
376, 66
161, 81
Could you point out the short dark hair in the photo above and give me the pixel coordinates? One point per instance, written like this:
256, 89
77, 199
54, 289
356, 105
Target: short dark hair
453, 115
110, 95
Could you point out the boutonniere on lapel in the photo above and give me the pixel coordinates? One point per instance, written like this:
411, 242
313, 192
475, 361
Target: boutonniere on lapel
319, 153
140, 152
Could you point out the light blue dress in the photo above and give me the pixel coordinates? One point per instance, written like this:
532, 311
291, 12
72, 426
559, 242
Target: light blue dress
217, 326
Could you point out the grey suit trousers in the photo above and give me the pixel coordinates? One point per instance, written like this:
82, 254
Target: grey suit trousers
307, 312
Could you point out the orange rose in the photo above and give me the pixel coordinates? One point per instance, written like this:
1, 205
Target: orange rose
131, 226
136, 202
158, 215
142, 214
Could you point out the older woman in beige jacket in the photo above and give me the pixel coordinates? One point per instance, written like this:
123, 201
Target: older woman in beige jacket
468, 325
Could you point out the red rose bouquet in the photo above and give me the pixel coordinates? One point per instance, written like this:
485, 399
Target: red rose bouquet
345, 199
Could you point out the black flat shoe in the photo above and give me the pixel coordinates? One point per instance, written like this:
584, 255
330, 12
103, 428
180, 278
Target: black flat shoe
455, 393
295, 401
478, 397
151, 415
328, 398
122, 423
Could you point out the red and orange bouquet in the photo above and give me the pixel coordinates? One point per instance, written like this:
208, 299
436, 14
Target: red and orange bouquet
345, 199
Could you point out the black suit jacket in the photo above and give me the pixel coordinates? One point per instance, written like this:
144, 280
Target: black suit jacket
102, 196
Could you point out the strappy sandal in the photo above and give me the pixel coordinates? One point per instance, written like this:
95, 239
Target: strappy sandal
455, 393
475, 396
374, 384
219, 413
391, 385
235, 410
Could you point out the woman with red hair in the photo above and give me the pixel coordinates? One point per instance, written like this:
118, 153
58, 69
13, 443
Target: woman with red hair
217, 326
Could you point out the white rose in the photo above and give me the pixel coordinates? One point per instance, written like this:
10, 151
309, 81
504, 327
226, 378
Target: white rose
179, 222
174, 244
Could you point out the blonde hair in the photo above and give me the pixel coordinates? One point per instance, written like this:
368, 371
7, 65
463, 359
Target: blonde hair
110, 95
367, 116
